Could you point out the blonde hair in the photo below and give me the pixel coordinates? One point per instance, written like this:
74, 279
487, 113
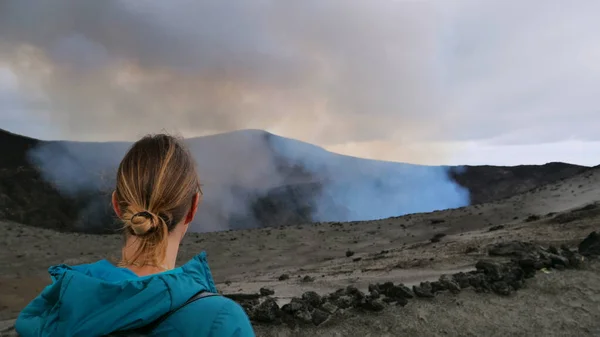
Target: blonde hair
156, 183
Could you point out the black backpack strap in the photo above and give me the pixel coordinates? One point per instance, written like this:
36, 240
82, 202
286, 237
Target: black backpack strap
146, 329
197, 296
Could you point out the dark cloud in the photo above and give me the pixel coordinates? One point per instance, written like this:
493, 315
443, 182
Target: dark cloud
328, 72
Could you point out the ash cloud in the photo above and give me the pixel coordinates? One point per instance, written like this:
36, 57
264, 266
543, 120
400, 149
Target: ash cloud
325, 72
314, 70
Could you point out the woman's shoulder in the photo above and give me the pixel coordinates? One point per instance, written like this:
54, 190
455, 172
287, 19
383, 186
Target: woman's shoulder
214, 315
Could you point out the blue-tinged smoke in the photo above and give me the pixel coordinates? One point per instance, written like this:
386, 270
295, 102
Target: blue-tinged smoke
239, 168
361, 189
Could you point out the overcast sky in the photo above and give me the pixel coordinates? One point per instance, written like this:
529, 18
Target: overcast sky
423, 81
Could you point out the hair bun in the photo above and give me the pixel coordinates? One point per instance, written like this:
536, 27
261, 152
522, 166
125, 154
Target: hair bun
143, 222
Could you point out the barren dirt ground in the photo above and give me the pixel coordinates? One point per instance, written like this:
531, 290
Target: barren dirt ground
565, 303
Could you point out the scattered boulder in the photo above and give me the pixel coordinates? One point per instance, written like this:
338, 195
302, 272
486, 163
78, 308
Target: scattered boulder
267, 311
423, 290
492, 269
312, 298
532, 218
401, 301
349, 253
575, 259
590, 246
372, 304
479, 282
266, 291
320, 316
284, 277
354, 292
461, 279
344, 302
449, 283
398, 291
374, 290
558, 261
294, 306
307, 279
329, 307
304, 316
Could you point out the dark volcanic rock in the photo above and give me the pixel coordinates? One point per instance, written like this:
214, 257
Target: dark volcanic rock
304, 316
307, 279
312, 298
344, 302
372, 304
558, 260
501, 288
479, 282
398, 291
590, 246
401, 301
329, 307
492, 269
423, 290
437, 286
266, 312
294, 306
449, 283
355, 292
501, 278
284, 277
320, 316
529, 266
462, 280
575, 259
266, 292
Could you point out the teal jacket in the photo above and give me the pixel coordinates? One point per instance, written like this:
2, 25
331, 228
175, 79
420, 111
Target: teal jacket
98, 298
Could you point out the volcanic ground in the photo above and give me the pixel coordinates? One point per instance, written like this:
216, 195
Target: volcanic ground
515, 266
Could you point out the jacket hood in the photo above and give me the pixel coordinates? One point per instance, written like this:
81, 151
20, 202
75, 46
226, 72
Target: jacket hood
99, 298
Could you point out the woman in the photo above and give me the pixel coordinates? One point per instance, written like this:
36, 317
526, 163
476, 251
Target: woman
156, 197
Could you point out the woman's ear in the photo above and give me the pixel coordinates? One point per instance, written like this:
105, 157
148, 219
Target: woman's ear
195, 202
115, 204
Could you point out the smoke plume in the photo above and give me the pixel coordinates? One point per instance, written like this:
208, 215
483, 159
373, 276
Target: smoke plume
254, 179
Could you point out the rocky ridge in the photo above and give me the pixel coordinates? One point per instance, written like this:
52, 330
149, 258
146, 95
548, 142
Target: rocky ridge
506, 271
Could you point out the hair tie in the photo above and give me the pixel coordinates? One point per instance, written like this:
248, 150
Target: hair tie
145, 214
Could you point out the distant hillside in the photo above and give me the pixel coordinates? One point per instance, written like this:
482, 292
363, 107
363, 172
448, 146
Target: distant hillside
489, 183
251, 179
